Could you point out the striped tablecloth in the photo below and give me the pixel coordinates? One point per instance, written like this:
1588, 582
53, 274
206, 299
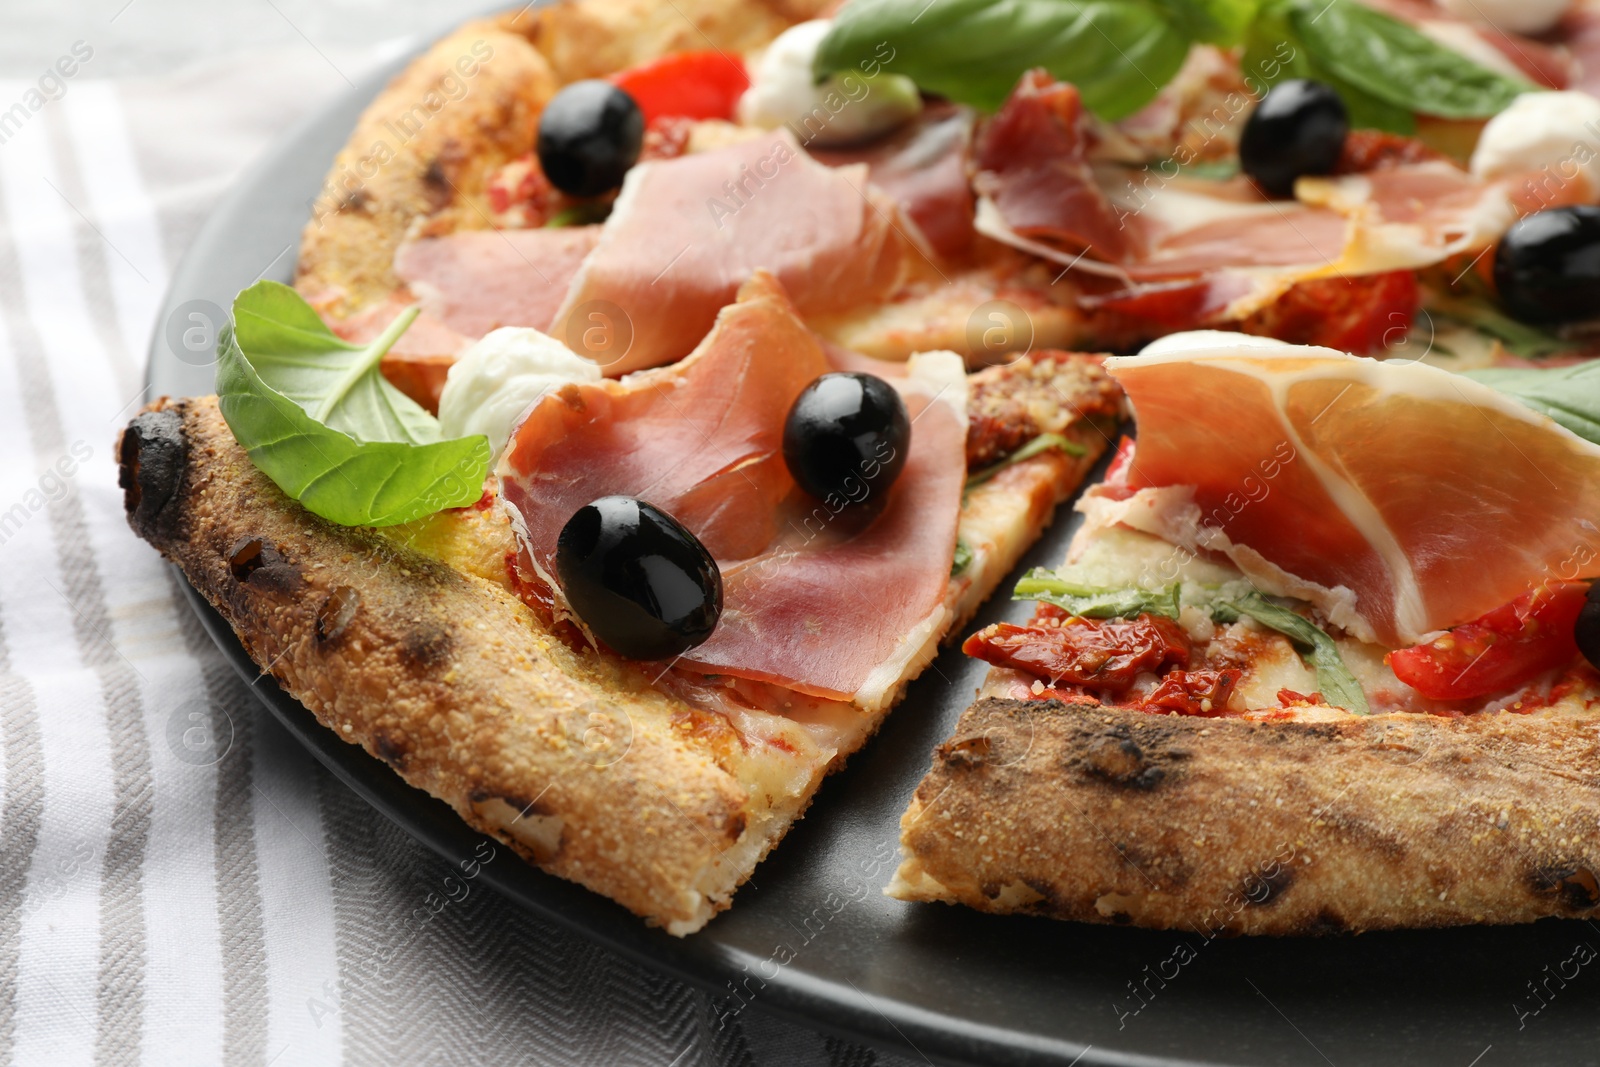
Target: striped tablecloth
179, 882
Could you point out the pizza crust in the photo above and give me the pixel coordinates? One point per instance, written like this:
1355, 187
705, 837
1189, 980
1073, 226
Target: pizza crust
1346, 823
410, 642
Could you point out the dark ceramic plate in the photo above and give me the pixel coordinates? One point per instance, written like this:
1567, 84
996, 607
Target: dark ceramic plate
813, 938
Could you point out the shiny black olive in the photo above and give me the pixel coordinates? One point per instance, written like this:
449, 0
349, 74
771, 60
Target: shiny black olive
846, 437
1587, 629
638, 578
1298, 128
1547, 267
589, 135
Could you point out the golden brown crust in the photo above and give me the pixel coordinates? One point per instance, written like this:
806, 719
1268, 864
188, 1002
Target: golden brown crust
594, 38
448, 678
1357, 823
425, 148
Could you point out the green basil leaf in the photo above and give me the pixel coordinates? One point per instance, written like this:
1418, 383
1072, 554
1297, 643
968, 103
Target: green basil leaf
328, 435
1091, 602
1334, 680
1397, 64
336, 382
1219, 22
1274, 52
1043, 443
1569, 395
1119, 53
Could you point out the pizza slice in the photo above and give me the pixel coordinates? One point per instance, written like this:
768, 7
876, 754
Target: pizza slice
1321, 658
443, 646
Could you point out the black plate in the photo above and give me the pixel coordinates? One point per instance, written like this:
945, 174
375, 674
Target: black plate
812, 937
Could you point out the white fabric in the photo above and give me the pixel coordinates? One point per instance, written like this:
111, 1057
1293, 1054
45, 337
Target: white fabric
162, 908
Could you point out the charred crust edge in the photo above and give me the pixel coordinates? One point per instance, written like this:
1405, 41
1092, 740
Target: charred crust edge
152, 457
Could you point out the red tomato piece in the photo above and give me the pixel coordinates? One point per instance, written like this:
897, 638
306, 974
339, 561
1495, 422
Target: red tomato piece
1360, 314
695, 85
1203, 692
1096, 653
1496, 653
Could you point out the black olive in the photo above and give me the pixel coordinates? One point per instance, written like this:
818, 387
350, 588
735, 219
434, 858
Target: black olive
846, 436
1298, 128
1547, 267
589, 135
1586, 631
638, 578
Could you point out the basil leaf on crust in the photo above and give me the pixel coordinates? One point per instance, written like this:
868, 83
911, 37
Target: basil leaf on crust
316, 416
1334, 680
1569, 395
1119, 53
1091, 602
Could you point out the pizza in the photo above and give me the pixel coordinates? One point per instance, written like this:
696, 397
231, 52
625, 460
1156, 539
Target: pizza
662, 384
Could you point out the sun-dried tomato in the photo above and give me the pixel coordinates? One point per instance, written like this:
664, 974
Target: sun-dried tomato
1204, 692
1095, 653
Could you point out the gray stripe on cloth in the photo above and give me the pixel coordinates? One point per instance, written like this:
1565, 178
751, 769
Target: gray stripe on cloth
19, 826
120, 993
239, 915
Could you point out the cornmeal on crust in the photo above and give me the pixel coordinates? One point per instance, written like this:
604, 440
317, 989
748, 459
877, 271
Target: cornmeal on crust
1331, 822
410, 643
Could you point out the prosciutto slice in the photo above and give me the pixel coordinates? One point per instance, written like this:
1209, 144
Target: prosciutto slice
475, 281
687, 232
1235, 250
812, 601
923, 167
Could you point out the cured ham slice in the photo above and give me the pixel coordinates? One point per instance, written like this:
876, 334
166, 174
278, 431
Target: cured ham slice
468, 283
476, 281
687, 232
812, 601
1235, 250
1400, 498
923, 167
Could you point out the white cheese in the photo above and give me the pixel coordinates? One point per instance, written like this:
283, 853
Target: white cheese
1512, 16
942, 376
497, 380
846, 108
1207, 341
1559, 131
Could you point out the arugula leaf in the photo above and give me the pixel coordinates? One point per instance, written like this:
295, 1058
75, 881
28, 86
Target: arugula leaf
1091, 602
963, 557
1516, 337
1569, 395
1334, 679
1398, 64
316, 416
1119, 53
1043, 443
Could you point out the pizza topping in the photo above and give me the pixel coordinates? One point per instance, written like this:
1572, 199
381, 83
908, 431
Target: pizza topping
1298, 128
638, 579
317, 416
475, 281
843, 108
1090, 602
1586, 630
811, 601
1203, 692
691, 85
847, 436
1500, 651
1547, 268
1333, 676
499, 378
685, 233
1398, 498
1106, 654
1543, 130
590, 133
